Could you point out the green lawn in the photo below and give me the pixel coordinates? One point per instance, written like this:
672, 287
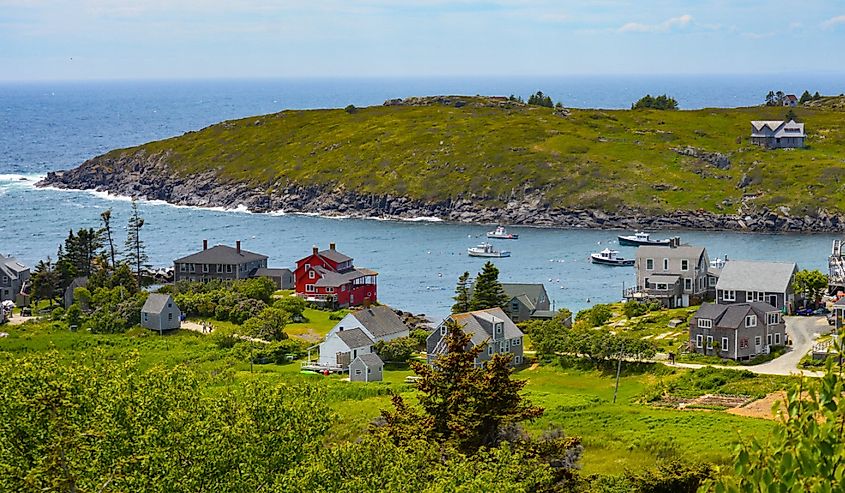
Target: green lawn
626, 434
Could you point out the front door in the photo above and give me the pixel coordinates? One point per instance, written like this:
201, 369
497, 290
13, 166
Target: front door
773, 300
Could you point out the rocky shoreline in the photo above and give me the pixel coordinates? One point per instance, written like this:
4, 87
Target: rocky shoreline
149, 177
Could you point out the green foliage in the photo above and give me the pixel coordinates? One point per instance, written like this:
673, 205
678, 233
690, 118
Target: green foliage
811, 284
487, 291
419, 336
73, 316
259, 288
790, 115
398, 350
294, 305
113, 426
804, 453
338, 315
136, 253
596, 316
268, 325
461, 294
662, 102
540, 99
350, 109
806, 97
45, 281
553, 337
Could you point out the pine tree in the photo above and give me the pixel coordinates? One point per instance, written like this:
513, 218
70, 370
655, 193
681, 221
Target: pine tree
805, 97
461, 294
106, 231
45, 281
135, 251
770, 98
487, 291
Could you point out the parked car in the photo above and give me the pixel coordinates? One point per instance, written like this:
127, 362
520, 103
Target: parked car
821, 311
805, 312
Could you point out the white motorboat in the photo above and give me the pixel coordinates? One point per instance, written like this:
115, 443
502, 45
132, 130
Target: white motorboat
501, 234
642, 238
487, 250
610, 257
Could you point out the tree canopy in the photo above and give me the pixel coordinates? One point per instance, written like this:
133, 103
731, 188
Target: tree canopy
811, 284
487, 291
662, 102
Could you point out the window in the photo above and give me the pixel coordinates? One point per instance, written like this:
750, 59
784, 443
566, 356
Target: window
724, 344
489, 350
758, 340
751, 321
772, 318
192, 267
169, 316
728, 295
309, 288
182, 268
662, 286
145, 317
649, 264
705, 323
517, 360
711, 281
330, 290
369, 371
311, 274
699, 341
768, 339
498, 328
307, 266
516, 342
684, 264
443, 330
228, 269
709, 341
219, 268
343, 288
688, 284
743, 343
665, 264
357, 372
205, 267
777, 338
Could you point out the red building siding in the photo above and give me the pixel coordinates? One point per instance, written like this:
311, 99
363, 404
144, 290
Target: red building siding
360, 289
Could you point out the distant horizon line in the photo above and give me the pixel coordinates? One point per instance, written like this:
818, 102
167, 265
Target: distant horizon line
639, 75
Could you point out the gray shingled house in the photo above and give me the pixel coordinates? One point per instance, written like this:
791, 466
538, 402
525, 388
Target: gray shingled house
491, 328
282, 278
677, 276
220, 262
744, 281
160, 313
366, 368
527, 301
739, 331
14, 277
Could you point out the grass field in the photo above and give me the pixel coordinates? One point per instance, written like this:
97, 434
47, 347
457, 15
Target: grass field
629, 433
600, 159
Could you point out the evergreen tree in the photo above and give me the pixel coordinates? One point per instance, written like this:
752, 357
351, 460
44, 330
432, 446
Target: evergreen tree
790, 115
770, 98
817, 96
81, 250
461, 294
779, 97
105, 216
805, 97
540, 99
65, 268
487, 292
136, 253
45, 281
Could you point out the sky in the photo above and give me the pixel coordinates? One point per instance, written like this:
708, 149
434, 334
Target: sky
167, 39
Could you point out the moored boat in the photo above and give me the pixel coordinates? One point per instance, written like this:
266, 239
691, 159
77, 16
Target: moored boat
501, 234
643, 238
610, 257
487, 250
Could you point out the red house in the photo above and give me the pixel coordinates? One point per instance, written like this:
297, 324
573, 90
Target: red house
328, 277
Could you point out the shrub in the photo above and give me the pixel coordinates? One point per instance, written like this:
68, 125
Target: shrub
246, 309
293, 305
398, 350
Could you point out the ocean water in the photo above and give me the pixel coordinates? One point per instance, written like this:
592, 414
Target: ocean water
51, 126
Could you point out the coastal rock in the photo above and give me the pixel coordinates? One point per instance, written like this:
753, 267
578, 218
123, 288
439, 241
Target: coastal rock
716, 159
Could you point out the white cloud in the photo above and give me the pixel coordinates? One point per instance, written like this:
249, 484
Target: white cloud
833, 22
671, 23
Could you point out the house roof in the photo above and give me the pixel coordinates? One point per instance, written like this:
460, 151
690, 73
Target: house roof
354, 338
265, 272
155, 303
330, 278
534, 292
778, 128
222, 254
381, 321
334, 256
11, 266
479, 324
792, 97
746, 275
732, 316
370, 360
525, 300
78, 282
678, 252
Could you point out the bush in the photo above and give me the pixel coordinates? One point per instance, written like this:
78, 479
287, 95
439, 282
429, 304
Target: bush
268, 325
350, 109
293, 305
337, 315
595, 316
259, 288
662, 102
398, 350
57, 314
633, 309
420, 336
246, 309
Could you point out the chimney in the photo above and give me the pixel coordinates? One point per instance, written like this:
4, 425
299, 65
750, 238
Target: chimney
205, 244
238, 246
315, 250
331, 246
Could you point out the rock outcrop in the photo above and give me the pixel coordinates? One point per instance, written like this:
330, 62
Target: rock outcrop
150, 177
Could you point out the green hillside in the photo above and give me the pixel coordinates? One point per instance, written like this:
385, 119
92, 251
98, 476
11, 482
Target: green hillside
601, 159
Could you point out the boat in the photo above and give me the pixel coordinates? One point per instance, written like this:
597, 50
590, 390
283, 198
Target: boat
642, 238
501, 234
610, 257
487, 250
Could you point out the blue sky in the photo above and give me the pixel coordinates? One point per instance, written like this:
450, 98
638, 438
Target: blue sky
106, 39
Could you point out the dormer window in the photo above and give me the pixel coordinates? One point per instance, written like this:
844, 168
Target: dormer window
705, 323
499, 326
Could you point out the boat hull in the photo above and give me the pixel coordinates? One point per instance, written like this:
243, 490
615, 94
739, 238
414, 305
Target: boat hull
627, 241
489, 255
611, 262
494, 236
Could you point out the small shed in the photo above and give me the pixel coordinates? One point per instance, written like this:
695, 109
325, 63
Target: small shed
160, 313
366, 368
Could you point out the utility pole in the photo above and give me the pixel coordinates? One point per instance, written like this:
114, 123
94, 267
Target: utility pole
618, 372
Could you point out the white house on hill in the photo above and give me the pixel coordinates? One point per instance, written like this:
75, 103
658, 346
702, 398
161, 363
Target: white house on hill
380, 323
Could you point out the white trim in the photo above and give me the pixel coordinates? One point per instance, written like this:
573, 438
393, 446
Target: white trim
705, 323
699, 341
726, 344
750, 321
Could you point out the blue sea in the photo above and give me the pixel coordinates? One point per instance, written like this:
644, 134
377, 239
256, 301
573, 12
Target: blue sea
47, 126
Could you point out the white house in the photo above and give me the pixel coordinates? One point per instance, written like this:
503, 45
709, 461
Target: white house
380, 323
777, 134
341, 347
